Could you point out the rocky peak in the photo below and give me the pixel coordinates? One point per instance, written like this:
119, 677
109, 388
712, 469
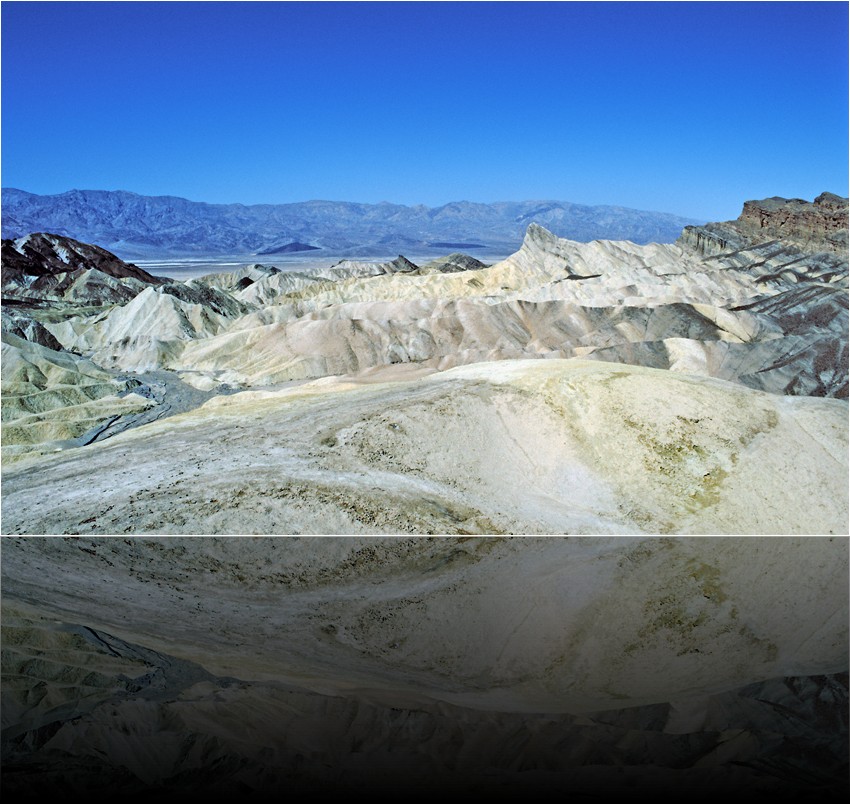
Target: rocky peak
539, 239
453, 263
832, 201
403, 265
50, 266
812, 226
820, 225
40, 254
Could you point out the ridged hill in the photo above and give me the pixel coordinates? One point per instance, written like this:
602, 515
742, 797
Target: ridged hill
41, 254
42, 266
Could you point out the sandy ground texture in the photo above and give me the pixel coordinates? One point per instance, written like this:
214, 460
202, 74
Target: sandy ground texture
501, 665
512, 447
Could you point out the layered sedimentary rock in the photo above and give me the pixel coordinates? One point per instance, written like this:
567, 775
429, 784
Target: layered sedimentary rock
818, 226
237, 280
46, 266
452, 263
56, 400
20, 322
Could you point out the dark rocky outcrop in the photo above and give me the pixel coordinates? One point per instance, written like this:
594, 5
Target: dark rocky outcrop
811, 226
453, 263
43, 266
41, 254
402, 265
213, 298
289, 248
237, 280
19, 322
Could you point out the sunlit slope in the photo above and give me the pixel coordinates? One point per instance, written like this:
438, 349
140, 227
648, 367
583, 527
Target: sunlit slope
52, 399
534, 446
654, 305
721, 302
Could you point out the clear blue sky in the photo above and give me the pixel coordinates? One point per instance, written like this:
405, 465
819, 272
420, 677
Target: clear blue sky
688, 108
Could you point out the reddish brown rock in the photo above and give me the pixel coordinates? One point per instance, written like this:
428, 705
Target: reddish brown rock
818, 226
40, 254
814, 227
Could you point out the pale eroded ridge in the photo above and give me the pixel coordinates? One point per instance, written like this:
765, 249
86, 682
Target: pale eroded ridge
764, 315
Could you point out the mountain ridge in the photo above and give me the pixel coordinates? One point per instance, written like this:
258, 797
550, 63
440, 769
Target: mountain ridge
132, 225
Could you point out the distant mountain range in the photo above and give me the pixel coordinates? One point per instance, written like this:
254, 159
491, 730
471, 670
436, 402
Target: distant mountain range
136, 226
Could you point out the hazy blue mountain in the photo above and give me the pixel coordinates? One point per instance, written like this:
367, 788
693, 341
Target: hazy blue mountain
133, 225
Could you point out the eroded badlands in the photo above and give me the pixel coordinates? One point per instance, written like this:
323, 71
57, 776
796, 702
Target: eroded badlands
603, 387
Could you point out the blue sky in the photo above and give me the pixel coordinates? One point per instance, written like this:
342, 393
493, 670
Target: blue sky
690, 108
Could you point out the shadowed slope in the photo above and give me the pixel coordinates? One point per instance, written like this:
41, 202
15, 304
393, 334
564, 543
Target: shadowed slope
583, 666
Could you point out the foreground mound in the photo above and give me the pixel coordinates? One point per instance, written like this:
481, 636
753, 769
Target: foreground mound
523, 447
